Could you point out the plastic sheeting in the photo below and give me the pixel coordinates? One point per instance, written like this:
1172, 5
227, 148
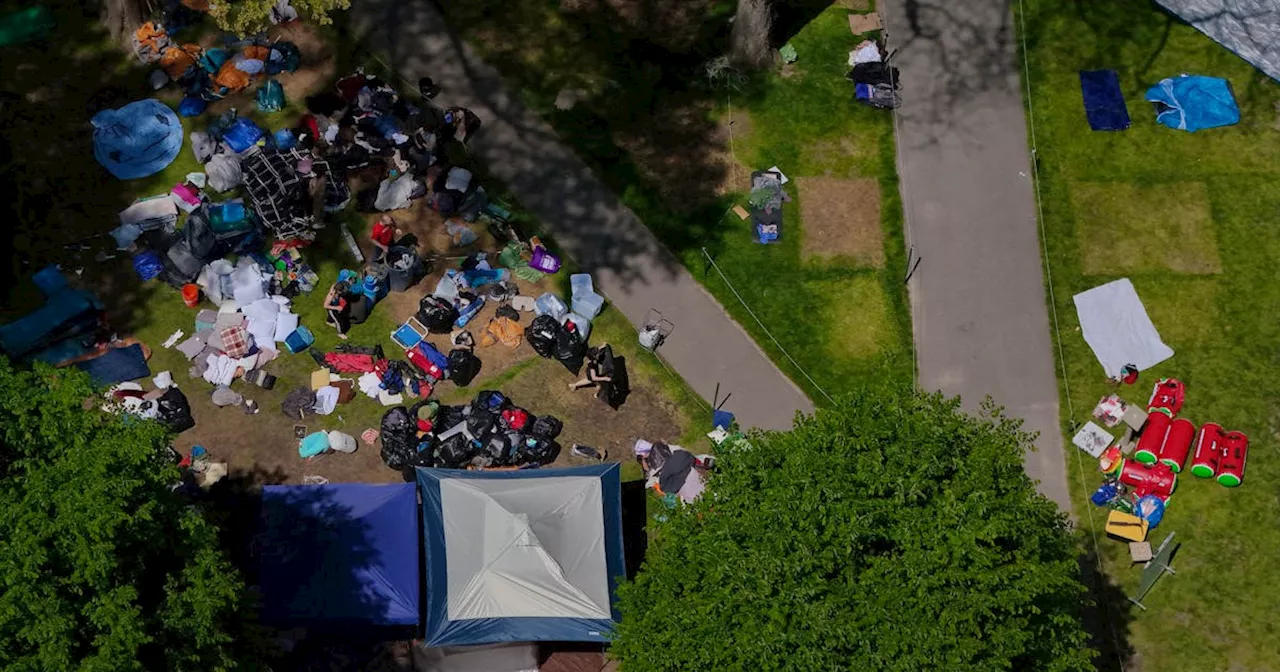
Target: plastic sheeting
339, 555
1193, 102
1115, 324
137, 140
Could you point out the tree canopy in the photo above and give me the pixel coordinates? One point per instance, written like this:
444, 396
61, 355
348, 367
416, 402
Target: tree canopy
250, 16
102, 565
892, 532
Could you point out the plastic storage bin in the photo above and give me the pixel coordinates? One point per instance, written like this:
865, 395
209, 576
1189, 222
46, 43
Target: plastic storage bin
581, 284
550, 304
588, 305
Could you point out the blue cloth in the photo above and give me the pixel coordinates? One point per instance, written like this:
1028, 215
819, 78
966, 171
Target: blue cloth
1103, 100
441, 631
137, 140
1193, 102
241, 134
341, 555
117, 365
192, 106
285, 139
435, 356
148, 264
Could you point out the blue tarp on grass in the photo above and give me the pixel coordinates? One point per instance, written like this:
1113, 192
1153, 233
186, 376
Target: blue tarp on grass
1103, 101
117, 365
340, 555
137, 140
1193, 102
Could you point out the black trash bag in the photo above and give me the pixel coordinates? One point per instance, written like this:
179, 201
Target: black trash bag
539, 451
436, 314
546, 427
542, 334
569, 350
481, 424
175, 411
464, 366
361, 306
426, 456
299, 403
455, 452
399, 438
447, 417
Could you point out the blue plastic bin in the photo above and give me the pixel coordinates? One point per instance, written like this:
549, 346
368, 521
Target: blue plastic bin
588, 305
580, 284
299, 340
550, 304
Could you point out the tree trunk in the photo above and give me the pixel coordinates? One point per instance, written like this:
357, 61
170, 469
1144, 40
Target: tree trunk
122, 17
749, 40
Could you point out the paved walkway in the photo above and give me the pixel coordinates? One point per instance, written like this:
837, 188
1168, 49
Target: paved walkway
605, 238
978, 298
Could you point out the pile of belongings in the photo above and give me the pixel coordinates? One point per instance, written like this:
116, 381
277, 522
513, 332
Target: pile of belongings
672, 471
290, 190
165, 404
875, 82
490, 432
210, 74
210, 233
239, 338
765, 203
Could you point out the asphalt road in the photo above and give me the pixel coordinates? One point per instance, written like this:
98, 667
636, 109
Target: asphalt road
978, 296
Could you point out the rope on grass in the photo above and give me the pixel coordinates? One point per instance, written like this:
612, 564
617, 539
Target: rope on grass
1053, 305
766, 329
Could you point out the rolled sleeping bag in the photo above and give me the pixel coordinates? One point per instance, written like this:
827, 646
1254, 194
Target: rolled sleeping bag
1154, 432
1177, 444
1231, 467
1208, 453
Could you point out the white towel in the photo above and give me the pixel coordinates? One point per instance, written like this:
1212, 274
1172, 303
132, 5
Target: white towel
326, 399
370, 384
222, 369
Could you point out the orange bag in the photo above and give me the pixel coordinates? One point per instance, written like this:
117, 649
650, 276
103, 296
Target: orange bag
228, 76
175, 61
255, 51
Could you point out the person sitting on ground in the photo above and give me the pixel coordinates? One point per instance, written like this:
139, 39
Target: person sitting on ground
337, 305
386, 235
599, 368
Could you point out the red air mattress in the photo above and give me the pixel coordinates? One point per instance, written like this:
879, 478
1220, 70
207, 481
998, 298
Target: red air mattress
1177, 444
1204, 463
1231, 468
1154, 432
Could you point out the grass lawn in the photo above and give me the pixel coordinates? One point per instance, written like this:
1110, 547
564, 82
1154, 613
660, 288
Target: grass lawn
679, 152
1191, 219
57, 92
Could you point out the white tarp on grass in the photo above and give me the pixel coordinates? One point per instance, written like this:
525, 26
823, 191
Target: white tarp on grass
1116, 326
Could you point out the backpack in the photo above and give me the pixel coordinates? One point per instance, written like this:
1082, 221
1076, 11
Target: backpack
490, 401
463, 366
455, 452
515, 419
436, 314
481, 423
539, 451
546, 427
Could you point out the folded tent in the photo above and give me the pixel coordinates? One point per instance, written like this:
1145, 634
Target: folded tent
1194, 102
521, 556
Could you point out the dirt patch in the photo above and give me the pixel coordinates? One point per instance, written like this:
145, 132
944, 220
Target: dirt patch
855, 5
790, 70
841, 218
318, 66
1123, 227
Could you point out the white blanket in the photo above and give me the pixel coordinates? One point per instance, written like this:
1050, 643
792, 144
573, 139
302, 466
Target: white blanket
222, 369
1116, 326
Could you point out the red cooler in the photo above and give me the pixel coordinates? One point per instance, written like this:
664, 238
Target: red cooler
1153, 435
1204, 463
1231, 468
1177, 444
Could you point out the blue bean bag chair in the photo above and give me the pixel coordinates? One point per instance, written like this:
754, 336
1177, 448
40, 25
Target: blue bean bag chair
137, 140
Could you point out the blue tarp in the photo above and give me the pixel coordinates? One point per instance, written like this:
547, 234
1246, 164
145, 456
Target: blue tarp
137, 140
512, 488
117, 365
1193, 102
1103, 101
340, 555
68, 311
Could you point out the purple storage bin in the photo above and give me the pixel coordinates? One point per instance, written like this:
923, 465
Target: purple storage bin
544, 261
